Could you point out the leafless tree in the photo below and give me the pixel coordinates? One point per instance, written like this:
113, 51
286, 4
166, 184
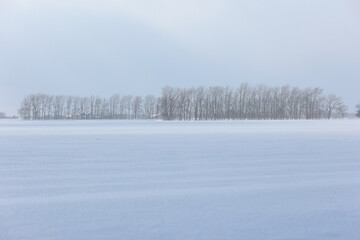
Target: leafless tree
332, 103
137, 107
149, 106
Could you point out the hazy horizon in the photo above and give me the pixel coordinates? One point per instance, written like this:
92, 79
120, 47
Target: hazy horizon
137, 47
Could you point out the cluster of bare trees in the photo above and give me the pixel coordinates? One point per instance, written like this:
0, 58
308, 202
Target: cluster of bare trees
202, 103
247, 102
43, 106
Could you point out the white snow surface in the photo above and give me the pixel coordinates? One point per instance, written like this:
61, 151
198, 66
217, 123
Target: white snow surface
110, 180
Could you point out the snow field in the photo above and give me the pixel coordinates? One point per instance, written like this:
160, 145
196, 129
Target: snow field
112, 180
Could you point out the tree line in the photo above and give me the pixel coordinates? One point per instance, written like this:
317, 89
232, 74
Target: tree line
44, 106
201, 103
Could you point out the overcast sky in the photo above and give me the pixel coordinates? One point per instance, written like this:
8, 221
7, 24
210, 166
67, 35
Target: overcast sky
85, 47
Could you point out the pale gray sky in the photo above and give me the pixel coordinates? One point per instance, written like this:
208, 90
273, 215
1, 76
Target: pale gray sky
85, 47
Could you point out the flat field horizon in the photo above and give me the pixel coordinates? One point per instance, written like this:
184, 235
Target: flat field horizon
118, 179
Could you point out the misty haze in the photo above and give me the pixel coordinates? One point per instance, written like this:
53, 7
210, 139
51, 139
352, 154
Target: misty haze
133, 119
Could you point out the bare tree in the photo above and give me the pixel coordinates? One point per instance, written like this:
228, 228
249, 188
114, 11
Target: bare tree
169, 102
332, 103
25, 108
150, 106
59, 106
358, 110
137, 107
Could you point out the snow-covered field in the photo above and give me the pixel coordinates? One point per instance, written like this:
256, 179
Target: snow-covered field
119, 180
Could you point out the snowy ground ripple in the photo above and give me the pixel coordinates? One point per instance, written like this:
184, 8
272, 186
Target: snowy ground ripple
110, 180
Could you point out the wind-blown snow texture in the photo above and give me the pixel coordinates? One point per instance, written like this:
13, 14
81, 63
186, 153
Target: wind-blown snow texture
95, 180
